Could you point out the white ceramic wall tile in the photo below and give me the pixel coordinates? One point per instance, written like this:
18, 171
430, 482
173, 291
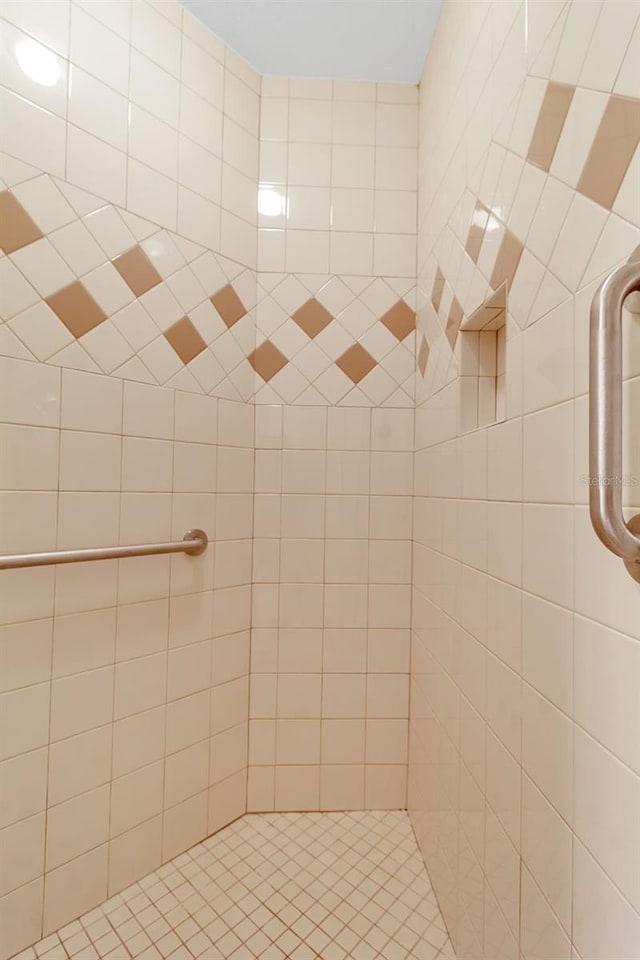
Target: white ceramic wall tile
471, 558
344, 158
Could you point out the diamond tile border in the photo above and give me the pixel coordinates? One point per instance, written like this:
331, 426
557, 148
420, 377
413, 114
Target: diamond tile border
316, 321
268, 887
487, 265
173, 313
423, 355
312, 317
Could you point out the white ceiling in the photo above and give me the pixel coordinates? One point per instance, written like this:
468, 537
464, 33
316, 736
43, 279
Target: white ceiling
383, 40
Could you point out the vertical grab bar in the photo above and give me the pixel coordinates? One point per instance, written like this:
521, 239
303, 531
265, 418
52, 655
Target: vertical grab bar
606, 481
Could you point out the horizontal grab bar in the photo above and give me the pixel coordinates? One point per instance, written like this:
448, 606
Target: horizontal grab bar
193, 543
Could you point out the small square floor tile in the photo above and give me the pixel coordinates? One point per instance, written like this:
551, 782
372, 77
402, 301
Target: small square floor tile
335, 886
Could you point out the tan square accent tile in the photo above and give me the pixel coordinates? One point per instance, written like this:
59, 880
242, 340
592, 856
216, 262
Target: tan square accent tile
438, 287
185, 339
229, 305
312, 317
356, 362
477, 229
551, 119
17, 229
612, 151
423, 356
137, 271
400, 320
507, 260
267, 360
453, 322
77, 309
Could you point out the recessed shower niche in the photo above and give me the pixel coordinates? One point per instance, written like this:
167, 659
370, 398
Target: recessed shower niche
482, 363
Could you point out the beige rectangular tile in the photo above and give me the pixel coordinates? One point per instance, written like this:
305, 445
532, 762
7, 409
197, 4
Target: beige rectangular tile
476, 233
17, 229
612, 150
507, 260
185, 339
229, 305
550, 123
77, 309
453, 322
137, 271
77, 826
267, 360
437, 289
356, 362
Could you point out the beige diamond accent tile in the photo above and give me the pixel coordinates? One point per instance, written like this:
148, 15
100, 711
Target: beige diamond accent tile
17, 229
267, 360
356, 362
507, 260
312, 317
400, 320
185, 339
476, 233
490, 314
423, 356
437, 290
453, 322
229, 305
77, 309
137, 271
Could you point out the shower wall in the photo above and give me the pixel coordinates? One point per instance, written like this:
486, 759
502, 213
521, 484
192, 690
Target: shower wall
170, 358
127, 294
331, 608
337, 243
524, 759
334, 445
131, 363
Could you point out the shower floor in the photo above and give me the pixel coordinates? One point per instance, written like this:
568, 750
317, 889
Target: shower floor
298, 885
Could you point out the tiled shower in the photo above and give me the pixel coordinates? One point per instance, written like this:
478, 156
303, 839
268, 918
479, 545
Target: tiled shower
393, 710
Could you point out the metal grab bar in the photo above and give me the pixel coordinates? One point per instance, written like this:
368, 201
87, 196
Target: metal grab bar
193, 543
605, 418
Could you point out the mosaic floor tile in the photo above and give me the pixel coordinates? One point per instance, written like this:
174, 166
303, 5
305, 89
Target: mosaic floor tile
334, 886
